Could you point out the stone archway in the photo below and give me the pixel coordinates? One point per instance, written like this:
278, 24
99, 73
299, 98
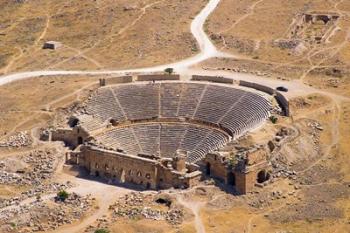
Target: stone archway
231, 179
262, 176
80, 140
122, 176
208, 169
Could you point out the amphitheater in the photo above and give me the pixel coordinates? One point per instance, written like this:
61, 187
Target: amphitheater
158, 134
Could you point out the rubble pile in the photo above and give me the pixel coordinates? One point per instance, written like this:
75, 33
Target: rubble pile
286, 44
41, 166
34, 192
281, 166
265, 199
44, 215
138, 205
21, 139
279, 138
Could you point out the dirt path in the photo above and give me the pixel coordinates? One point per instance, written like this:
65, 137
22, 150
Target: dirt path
6, 69
50, 104
208, 50
105, 195
250, 12
81, 53
335, 138
195, 208
24, 121
36, 42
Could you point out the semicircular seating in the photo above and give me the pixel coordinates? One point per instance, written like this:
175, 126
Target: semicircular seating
215, 106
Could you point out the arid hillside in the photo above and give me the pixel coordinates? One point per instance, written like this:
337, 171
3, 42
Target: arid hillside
307, 40
95, 34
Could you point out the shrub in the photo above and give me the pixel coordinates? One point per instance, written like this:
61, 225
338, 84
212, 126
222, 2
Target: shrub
13, 225
169, 70
273, 119
62, 195
101, 231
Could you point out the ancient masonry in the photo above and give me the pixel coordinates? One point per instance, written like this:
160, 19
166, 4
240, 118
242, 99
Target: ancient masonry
52, 45
167, 134
313, 27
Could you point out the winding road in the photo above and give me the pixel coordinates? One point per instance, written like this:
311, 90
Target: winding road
207, 50
185, 67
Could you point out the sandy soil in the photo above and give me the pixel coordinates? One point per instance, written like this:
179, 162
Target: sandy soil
95, 35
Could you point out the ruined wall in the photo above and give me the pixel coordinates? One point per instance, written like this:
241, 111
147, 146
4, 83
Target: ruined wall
257, 86
283, 102
122, 168
245, 181
158, 77
281, 99
257, 156
193, 179
168, 178
216, 79
119, 167
217, 167
117, 80
72, 137
241, 183
247, 178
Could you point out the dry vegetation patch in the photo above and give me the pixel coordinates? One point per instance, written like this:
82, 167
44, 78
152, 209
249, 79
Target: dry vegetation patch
96, 34
24, 103
275, 39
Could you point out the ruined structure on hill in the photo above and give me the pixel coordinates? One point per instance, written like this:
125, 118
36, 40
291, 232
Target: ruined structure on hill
167, 134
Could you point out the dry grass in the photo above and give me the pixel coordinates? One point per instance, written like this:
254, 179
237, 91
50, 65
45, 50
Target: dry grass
23, 103
96, 34
144, 225
250, 28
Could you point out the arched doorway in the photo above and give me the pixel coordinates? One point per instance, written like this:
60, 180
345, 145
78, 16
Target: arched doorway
122, 176
113, 122
208, 169
231, 179
97, 173
80, 140
73, 122
263, 176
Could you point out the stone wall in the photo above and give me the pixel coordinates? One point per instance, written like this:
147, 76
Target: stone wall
216, 79
215, 167
281, 99
119, 167
158, 77
242, 176
283, 102
123, 168
72, 137
258, 87
117, 80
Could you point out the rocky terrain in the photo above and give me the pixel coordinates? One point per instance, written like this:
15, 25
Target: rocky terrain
44, 215
18, 140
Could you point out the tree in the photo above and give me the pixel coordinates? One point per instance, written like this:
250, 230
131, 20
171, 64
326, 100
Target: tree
169, 70
62, 195
273, 119
101, 231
